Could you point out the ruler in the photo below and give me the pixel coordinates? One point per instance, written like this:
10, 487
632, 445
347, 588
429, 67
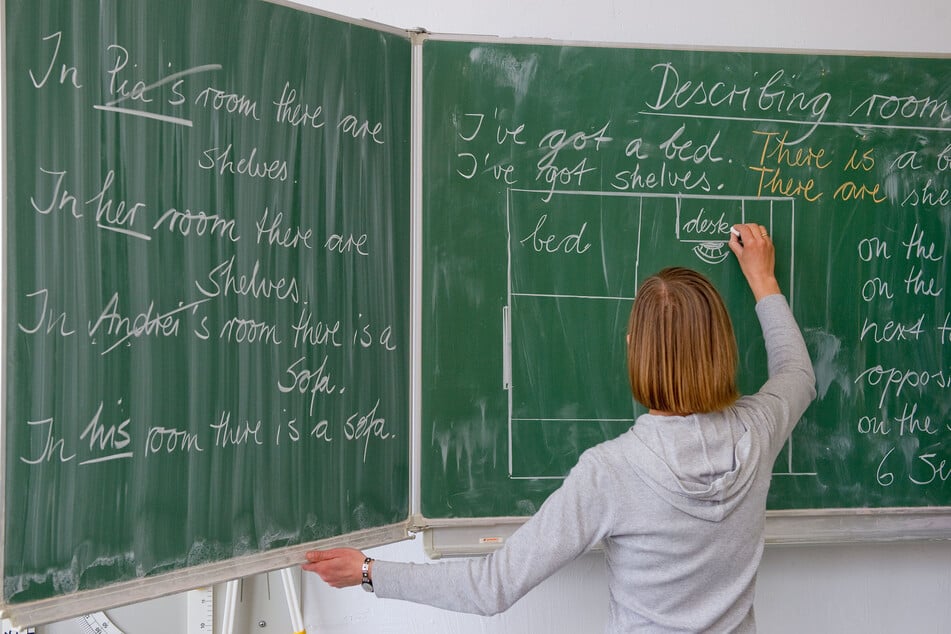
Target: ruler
201, 611
6, 627
98, 623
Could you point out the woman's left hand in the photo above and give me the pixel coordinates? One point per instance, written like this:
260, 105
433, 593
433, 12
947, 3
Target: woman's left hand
338, 567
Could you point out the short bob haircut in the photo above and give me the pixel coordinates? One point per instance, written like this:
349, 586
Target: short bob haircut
681, 351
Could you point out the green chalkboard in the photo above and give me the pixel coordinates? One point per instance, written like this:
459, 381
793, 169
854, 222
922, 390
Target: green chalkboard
207, 286
556, 177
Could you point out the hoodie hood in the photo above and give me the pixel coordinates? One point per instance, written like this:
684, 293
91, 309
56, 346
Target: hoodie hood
701, 464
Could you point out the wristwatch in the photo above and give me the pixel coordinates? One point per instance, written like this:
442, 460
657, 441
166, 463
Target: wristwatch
367, 583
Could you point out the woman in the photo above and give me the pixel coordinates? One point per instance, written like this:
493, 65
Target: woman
678, 501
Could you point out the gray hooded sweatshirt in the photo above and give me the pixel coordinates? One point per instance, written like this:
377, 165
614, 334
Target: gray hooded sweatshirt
678, 503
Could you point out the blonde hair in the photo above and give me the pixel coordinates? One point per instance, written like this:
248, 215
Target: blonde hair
681, 352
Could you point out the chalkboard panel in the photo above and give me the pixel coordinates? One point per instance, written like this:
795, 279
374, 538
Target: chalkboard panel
207, 286
556, 177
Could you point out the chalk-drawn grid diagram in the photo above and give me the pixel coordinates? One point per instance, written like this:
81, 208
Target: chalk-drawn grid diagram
575, 261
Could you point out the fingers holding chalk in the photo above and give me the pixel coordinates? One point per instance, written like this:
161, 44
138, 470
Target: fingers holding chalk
755, 253
736, 237
747, 232
749, 235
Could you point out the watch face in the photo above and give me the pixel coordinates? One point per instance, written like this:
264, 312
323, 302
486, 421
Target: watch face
367, 586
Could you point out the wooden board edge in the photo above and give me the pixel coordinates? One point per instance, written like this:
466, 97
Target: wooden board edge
138, 590
361, 22
479, 536
655, 46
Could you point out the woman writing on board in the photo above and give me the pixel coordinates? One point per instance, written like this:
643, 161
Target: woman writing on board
678, 501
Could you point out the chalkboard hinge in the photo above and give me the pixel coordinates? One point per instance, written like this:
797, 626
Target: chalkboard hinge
417, 524
417, 35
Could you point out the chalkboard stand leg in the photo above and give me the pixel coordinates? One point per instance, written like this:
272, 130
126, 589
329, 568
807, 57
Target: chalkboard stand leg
293, 604
231, 601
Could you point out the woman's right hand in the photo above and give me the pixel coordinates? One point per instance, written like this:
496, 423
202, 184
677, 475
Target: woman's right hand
757, 257
338, 567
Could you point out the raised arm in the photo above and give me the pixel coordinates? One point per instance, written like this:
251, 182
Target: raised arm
792, 382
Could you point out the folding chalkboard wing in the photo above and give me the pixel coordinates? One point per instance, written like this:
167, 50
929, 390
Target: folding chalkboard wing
206, 297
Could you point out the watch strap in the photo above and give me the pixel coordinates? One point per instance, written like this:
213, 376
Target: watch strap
366, 583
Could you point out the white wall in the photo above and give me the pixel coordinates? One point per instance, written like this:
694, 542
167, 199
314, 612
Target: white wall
867, 588
868, 25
